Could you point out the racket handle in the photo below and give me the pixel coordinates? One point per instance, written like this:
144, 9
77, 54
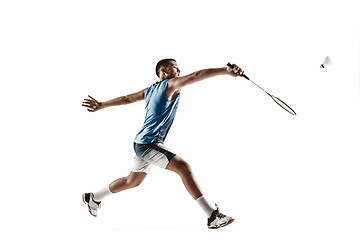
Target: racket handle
232, 66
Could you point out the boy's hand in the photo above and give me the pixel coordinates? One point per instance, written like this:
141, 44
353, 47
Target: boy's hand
91, 104
235, 71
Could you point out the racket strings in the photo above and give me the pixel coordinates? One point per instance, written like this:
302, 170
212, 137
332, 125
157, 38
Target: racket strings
283, 105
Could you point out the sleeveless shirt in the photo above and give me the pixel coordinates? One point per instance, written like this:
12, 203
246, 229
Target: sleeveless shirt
160, 114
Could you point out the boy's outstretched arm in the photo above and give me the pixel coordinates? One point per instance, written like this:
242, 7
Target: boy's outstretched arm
93, 105
180, 82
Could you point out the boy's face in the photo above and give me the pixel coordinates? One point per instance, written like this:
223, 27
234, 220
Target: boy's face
172, 70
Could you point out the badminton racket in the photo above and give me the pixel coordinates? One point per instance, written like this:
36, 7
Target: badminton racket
276, 99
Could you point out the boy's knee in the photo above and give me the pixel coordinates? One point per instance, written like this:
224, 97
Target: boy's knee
136, 183
183, 167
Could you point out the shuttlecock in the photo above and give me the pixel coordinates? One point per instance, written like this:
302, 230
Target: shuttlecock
326, 63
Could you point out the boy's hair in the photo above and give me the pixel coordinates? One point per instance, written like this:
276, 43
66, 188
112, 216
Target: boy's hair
163, 63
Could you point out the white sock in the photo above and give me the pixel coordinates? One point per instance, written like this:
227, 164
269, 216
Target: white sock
205, 205
102, 193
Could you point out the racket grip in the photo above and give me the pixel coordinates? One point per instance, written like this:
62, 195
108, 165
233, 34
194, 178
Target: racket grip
232, 66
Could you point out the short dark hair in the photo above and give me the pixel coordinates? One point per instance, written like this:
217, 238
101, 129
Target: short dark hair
163, 63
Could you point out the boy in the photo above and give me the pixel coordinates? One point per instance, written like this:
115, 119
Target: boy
161, 101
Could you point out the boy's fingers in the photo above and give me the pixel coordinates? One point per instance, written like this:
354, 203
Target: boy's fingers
92, 98
236, 70
86, 105
89, 102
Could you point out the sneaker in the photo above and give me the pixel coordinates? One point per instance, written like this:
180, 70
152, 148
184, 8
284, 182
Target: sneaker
218, 220
93, 206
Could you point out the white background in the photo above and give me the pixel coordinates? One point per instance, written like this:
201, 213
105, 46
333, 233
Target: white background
279, 176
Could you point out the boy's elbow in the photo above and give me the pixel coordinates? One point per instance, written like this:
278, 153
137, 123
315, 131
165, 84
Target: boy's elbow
127, 100
197, 75
181, 82
133, 98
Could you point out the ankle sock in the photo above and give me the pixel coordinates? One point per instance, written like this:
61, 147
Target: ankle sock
102, 193
203, 203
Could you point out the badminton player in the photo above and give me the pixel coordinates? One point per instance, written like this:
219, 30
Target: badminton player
161, 102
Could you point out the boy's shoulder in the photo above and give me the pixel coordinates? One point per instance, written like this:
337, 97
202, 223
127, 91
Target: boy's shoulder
157, 86
158, 83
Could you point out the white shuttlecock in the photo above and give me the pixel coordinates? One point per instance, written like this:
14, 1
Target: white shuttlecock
327, 62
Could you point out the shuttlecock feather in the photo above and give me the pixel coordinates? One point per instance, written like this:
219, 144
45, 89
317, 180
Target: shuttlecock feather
327, 62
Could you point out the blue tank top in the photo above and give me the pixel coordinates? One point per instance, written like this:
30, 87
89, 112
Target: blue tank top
160, 114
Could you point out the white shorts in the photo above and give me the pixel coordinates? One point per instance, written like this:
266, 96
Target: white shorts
151, 154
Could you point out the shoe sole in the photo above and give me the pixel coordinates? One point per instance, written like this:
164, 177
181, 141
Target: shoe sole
222, 225
83, 198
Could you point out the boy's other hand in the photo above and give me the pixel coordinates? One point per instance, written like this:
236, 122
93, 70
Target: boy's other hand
92, 104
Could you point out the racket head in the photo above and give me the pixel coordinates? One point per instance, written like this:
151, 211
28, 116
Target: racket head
283, 105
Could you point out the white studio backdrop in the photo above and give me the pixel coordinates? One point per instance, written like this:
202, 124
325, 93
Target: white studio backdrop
279, 176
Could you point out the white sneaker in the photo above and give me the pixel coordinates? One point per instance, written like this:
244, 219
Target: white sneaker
93, 206
218, 220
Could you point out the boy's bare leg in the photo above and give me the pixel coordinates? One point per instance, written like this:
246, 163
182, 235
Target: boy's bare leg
93, 200
183, 169
132, 180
